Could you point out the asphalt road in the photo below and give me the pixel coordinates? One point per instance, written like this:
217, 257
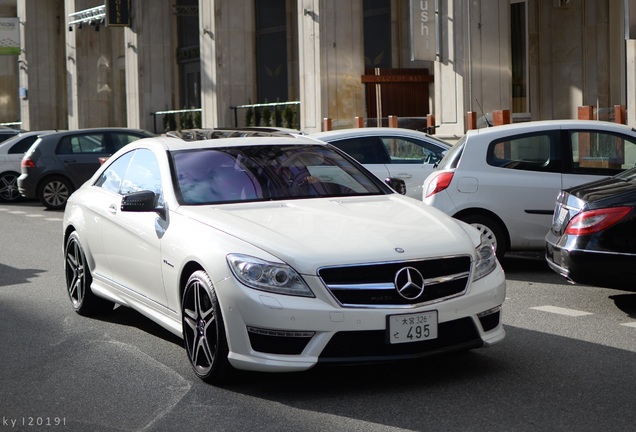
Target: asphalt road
568, 363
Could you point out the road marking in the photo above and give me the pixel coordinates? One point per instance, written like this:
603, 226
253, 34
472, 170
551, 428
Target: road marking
630, 324
34, 215
17, 212
561, 311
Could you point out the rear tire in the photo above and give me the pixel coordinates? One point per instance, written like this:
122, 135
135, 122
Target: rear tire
9, 187
54, 192
204, 330
79, 279
490, 229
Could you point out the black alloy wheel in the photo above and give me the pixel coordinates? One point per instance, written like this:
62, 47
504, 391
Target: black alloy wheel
54, 192
79, 279
204, 331
9, 187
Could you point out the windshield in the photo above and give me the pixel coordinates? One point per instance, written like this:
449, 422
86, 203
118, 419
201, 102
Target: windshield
268, 172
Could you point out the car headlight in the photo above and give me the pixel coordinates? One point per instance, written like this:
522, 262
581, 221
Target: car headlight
486, 259
268, 276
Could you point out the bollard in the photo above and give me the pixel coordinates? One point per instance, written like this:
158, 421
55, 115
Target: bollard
501, 117
326, 124
471, 120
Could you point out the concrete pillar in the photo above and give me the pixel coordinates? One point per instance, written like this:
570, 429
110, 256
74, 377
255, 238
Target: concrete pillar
209, 88
41, 65
631, 81
150, 59
311, 111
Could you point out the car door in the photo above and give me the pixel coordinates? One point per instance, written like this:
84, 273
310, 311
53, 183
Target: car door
411, 160
369, 151
79, 155
132, 240
521, 183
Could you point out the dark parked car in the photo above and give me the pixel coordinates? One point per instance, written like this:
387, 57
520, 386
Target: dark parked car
58, 163
593, 235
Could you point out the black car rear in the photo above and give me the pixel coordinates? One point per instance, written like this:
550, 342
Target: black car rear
593, 235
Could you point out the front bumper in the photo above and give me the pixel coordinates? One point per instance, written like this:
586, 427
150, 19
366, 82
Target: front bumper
269, 332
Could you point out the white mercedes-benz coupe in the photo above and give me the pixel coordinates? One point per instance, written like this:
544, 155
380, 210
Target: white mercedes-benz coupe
277, 254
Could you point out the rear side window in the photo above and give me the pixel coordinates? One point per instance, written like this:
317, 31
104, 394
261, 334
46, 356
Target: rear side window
78, 144
366, 150
122, 139
23, 145
599, 152
407, 151
539, 152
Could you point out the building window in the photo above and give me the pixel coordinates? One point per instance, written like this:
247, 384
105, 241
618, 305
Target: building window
377, 33
519, 56
271, 50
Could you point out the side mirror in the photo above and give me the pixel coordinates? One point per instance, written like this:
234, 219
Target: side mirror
396, 184
142, 201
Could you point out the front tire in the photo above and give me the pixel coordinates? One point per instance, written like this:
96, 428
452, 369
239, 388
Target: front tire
54, 192
204, 330
490, 229
79, 279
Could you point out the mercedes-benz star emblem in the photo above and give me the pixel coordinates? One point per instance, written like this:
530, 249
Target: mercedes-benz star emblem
409, 283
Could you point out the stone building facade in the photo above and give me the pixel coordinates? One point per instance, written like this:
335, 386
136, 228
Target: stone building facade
540, 59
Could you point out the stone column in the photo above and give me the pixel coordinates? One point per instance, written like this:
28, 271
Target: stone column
41, 65
311, 112
150, 60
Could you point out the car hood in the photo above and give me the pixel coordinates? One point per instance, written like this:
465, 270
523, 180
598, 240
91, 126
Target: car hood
312, 233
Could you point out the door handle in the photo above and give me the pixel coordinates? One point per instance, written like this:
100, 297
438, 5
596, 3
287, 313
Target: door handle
112, 209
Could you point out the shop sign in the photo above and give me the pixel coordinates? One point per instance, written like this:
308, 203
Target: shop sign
118, 13
423, 40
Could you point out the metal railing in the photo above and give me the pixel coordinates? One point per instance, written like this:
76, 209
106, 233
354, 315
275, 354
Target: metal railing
176, 113
263, 106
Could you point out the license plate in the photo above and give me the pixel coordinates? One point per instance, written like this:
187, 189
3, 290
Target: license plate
412, 327
563, 212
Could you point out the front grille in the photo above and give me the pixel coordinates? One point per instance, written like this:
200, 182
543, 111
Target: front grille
373, 284
372, 345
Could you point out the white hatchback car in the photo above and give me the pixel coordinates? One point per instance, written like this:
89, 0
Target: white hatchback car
11, 152
276, 254
505, 179
406, 154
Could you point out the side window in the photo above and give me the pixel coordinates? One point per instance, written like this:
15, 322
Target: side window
405, 151
527, 152
122, 139
77, 144
366, 150
142, 174
23, 145
601, 152
111, 178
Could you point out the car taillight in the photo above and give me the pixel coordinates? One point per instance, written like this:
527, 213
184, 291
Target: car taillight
593, 221
438, 183
27, 163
